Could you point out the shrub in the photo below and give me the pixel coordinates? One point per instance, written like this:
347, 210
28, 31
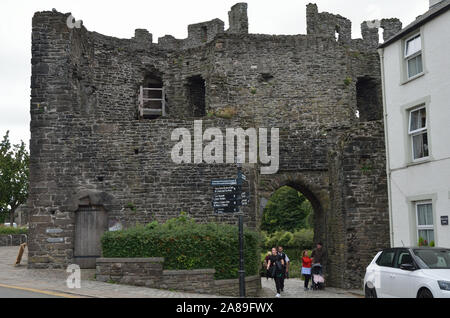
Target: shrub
7, 230
302, 239
187, 245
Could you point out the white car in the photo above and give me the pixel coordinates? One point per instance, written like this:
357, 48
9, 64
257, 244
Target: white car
416, 272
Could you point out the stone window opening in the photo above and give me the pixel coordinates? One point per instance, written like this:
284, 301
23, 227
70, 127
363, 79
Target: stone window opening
204, 34
196, 96
368, 100
152, 99
337, 34
380, 35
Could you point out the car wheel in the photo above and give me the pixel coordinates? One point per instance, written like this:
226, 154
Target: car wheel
425, 293
370, 292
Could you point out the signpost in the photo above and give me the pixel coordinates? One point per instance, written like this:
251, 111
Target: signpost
228, 198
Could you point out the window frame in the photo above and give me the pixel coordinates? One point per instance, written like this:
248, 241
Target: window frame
419, 131
393, 250
397, 256
425, 227
407, 58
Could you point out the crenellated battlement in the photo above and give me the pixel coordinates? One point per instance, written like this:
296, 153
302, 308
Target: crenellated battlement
318, 24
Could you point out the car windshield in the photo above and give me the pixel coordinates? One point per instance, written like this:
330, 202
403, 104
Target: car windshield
434, 258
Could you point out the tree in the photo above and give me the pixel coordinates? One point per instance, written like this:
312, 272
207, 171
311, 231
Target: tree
13, 177
286, 210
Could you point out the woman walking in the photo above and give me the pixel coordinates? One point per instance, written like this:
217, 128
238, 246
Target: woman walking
275, 266
306, 268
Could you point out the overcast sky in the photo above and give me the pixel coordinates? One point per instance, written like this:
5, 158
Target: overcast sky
121, 18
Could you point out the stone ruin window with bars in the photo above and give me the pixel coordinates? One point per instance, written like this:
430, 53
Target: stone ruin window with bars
152, 98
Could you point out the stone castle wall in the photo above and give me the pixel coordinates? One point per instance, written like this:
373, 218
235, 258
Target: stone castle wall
86, 133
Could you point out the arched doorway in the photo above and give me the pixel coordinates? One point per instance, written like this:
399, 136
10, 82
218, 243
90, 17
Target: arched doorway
314, 187
91, 221
91, 209
288, 221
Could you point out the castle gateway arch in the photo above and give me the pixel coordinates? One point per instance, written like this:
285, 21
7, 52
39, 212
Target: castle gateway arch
103, 110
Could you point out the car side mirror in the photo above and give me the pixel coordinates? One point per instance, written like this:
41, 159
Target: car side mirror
408, 267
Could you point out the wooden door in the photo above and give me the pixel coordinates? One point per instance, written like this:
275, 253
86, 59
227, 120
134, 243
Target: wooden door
91, 223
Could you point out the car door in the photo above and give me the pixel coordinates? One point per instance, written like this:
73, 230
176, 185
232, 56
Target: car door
385, 267
403, 280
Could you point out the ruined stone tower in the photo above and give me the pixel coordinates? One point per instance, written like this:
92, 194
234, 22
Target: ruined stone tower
95, 148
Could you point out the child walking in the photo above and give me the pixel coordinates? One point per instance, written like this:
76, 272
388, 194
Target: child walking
306, 268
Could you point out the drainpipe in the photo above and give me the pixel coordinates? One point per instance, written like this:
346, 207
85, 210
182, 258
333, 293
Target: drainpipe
386, 138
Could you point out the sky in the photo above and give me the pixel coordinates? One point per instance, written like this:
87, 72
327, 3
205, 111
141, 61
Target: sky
121, 18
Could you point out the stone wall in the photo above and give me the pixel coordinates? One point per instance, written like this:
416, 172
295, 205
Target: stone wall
149, 272
359, 207
13, 239
86, 134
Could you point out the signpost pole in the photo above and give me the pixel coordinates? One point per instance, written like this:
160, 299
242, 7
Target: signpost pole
241, 243
241, 257
228, 198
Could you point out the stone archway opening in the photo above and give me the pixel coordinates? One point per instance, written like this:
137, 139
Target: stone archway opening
287, 209
304, 225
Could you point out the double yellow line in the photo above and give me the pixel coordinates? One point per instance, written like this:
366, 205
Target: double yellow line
56, 294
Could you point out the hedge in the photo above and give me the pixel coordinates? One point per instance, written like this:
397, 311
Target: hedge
184, 244
299, 240
7, 230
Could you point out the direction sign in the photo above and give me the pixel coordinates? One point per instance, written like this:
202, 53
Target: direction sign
227, 189
226, 210
226, 197
224, 182
230, 203
224, 204
230, 196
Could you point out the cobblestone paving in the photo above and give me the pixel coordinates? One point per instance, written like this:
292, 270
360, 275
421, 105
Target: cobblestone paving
55, 281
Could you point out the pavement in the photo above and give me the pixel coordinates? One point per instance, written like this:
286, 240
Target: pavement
294, 288
21, 282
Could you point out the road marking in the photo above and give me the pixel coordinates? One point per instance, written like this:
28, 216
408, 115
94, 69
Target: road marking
39, 291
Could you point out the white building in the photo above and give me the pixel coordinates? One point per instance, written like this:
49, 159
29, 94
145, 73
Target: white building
416, 93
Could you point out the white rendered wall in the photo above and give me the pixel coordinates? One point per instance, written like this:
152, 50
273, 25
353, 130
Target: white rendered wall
432, 178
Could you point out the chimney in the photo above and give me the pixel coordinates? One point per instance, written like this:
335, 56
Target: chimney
434, 2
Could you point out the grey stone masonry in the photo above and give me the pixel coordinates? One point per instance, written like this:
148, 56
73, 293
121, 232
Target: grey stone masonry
149, 272
89, 145
238, 18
